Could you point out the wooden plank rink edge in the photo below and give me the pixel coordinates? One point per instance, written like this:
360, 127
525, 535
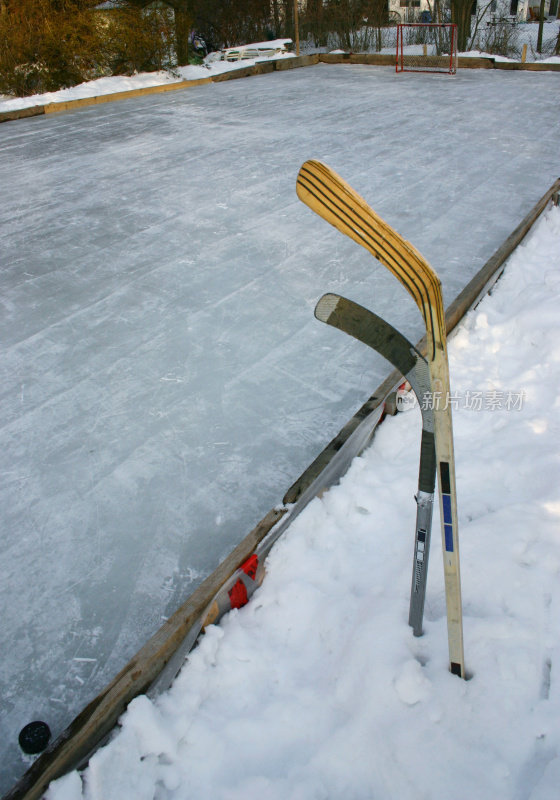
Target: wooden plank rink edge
79, 740
88, 730
463, 62
22, 113
487, 276
263, 68
260, 68
83, 102
468, 298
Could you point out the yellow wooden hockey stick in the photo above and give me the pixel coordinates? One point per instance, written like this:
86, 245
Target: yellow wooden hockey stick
332, 198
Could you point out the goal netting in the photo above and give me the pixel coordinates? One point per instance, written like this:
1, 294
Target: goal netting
427, 47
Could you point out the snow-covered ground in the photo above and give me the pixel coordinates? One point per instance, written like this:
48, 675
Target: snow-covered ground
522, 34
163, 380
525, 33
317, 688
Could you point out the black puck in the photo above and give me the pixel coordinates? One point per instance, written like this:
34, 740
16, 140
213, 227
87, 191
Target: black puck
34, 737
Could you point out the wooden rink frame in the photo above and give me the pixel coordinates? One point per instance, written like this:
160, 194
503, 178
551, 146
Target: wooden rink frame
264, 68
445, 63
231, 585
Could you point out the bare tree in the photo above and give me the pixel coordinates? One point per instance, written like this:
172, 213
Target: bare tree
461, 11
541, 25
137, 39
355, 24
232, 22
313, 22
183, 24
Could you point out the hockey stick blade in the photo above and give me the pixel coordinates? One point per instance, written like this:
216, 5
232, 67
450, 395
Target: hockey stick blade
375, 332
332, 198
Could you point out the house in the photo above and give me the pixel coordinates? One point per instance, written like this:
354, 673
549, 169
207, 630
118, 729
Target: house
511, 10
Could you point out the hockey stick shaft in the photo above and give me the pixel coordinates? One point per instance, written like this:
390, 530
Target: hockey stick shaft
333, 199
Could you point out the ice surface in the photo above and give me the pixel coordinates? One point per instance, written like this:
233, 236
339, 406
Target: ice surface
163, 380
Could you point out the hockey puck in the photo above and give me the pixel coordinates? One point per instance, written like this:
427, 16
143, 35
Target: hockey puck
34, 737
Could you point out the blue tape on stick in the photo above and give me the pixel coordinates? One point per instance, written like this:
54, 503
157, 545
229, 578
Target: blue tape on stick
448, 538
446, 498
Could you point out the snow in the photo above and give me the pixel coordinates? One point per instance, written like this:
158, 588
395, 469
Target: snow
269, 44
482, 54
163, 378
141, 80
317, 688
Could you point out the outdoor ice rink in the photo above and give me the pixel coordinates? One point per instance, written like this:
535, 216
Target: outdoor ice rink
163, 379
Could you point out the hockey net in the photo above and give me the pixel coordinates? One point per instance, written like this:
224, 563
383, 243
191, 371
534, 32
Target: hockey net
427, 47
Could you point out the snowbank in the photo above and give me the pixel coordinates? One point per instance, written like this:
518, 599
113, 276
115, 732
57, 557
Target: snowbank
482, 54
142, 80
317, 688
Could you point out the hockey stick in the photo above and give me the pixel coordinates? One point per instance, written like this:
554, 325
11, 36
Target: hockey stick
370, 329
334, 200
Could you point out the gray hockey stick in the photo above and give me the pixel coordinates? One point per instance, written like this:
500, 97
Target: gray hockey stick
367, 327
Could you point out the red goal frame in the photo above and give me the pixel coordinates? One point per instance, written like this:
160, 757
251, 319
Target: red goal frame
446, 63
